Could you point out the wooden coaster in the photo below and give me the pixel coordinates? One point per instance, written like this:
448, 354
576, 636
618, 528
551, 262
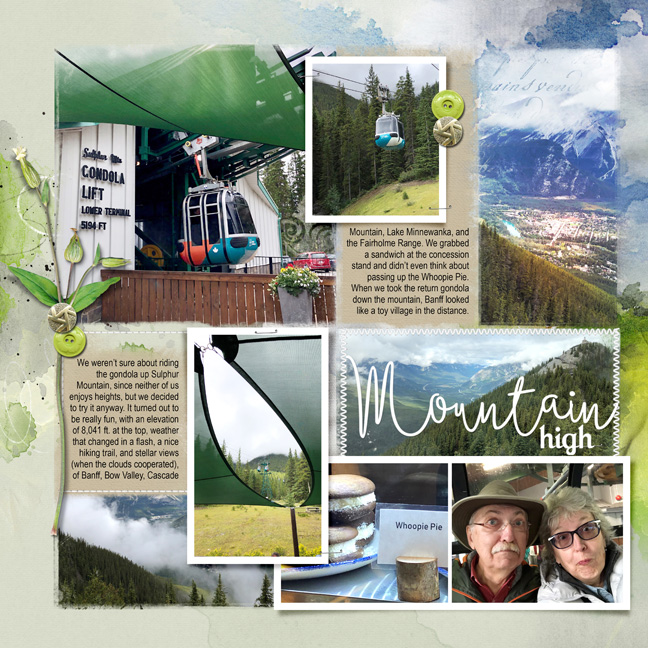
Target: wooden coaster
417, 578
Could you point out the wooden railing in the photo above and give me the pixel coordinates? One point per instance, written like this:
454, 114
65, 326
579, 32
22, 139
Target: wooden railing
212, 298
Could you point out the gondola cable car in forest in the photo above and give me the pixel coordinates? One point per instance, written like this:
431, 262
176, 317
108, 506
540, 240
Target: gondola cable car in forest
218, 228
390, 133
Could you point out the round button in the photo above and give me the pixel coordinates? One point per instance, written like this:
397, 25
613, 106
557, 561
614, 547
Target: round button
447, 103
62, 318
70, 344
447, 131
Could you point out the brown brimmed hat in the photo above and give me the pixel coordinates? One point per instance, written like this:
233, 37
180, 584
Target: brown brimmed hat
497, 492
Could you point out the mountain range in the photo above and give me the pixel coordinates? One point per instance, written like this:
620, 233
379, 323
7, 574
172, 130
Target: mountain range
326, 96
413, 386
465, 383
579, 162
167, 508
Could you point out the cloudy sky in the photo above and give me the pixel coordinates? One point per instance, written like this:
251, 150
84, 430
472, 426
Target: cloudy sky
240, 416
545, 89
468, 348
355, 74
154, 546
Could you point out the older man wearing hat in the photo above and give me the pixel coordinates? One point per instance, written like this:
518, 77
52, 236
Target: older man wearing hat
497, 525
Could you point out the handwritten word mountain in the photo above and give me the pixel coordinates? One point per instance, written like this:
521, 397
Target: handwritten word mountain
585, 370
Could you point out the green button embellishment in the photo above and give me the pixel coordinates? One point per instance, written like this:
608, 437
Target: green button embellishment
70, 344
447, 103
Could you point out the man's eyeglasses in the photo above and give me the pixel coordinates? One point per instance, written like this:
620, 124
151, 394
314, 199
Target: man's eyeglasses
587, 531
495, 524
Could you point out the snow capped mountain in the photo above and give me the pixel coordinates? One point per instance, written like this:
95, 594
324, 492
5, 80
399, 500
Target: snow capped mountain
580, 161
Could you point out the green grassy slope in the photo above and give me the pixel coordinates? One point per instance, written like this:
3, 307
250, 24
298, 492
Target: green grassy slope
418, 198
224, 530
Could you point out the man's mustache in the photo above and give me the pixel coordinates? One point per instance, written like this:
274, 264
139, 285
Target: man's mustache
505, 546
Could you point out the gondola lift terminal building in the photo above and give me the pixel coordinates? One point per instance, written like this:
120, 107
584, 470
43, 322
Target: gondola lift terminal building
139, 128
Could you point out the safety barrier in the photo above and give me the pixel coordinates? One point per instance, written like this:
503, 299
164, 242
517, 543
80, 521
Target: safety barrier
219, 299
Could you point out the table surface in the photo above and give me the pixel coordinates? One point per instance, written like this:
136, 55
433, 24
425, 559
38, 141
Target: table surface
367, 584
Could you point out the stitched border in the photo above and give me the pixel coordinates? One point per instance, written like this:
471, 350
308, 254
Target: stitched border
341, 418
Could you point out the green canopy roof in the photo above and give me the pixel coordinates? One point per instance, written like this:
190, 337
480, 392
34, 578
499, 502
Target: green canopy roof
286, 372
241, 92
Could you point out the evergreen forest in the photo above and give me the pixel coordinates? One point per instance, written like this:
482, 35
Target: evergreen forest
93, 576
346, 163
289, 478
90, 575
590, 379
519, 288
286, 183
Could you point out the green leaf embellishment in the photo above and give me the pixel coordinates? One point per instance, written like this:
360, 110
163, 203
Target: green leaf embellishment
97, 256
43, 289
86, 295
45, 194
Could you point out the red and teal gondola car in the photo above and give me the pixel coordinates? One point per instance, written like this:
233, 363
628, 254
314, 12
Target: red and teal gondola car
218, 228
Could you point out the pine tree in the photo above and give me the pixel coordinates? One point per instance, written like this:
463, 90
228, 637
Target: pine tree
297, 179
289, 498
131, 597
226, 453
98, 592
326, 155
316, 158
405, 106
276, 182
332, 201
341, 141
361, 145
374, 110
170, 596
67, 594
239, 465
220, 597
291, 474
265, 599
302, 486
426, 153
194, 598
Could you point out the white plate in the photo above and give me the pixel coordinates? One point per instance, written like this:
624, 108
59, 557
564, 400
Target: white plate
316, 571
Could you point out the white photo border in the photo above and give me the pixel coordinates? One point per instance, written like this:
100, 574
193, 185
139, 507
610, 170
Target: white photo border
438, 61
192, 333
345, 332
450, 605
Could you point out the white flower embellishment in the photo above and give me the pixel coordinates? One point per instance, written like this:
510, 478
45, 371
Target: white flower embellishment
20, 153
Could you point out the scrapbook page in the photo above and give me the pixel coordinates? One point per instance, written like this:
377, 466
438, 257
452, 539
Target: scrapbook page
337, 311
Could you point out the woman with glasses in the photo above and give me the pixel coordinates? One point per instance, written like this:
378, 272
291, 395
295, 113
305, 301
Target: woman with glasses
580, 562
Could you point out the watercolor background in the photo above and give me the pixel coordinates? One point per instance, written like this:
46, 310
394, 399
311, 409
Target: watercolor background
459, 29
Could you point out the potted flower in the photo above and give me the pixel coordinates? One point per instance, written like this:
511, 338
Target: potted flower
296, 288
